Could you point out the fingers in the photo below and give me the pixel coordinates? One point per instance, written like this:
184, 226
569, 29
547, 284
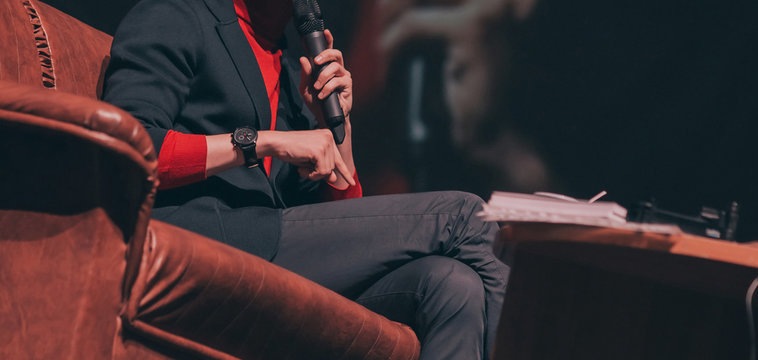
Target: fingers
329, 39
306, 66
335, 67
325, 75
313, 174
305, 76
330, 55
332, 178
342, 168
324, 162
335, 84
305, 174
321, 158
331, 78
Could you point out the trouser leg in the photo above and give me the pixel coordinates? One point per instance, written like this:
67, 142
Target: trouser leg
441, 299
349, 245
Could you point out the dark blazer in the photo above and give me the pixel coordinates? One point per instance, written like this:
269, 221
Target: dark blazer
186, 65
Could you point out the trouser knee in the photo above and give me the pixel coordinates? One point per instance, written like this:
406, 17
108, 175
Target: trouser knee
428, 290
451, 289
463, 202
465, 225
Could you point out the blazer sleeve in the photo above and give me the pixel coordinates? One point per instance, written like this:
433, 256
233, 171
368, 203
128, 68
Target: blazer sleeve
154, 55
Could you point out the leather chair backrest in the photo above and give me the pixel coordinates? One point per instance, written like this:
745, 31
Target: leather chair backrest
51, 49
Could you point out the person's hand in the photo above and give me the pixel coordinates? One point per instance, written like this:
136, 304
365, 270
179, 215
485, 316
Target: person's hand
333, 77
312, 151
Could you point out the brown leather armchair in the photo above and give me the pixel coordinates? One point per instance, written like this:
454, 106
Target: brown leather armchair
85, 273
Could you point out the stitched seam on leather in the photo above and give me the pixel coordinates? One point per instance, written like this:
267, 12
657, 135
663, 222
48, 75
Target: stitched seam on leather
43, 48
394, 345
237, 284
252, 300
376, 340
352, 342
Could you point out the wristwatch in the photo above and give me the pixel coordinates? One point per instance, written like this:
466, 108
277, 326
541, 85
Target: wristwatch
245, 139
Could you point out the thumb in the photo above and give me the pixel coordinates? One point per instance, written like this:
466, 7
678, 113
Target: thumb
329, 39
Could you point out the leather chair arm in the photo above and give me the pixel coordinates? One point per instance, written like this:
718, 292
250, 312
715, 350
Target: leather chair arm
216, 301
51, 111
79, 112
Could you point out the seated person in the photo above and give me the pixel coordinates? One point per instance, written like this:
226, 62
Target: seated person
195, 72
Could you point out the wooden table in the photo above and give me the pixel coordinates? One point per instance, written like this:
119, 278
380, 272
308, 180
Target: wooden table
579, 292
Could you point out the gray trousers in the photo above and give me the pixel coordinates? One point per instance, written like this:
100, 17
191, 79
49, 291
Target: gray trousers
421, 259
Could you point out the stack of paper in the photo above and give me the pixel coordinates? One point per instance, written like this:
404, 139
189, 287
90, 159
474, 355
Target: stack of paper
554, 208
506, 206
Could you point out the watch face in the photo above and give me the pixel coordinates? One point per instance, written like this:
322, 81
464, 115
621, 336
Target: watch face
245, 136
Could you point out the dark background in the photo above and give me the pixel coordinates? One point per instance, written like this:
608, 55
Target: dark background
646, 99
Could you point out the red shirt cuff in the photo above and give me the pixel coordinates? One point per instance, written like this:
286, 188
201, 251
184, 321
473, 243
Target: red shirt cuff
181, 160
331, 193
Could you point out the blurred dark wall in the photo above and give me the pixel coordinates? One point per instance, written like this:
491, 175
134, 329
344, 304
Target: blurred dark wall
653, 99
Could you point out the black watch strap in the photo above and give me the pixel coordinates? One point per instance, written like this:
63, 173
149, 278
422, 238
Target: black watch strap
251, 158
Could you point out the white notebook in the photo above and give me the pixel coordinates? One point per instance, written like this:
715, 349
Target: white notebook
555, 208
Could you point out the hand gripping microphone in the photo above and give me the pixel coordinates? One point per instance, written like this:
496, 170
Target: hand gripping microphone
310, 25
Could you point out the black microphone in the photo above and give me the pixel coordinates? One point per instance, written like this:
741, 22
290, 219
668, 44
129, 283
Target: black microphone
310, 25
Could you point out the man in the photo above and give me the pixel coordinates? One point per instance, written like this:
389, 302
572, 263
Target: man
241, 160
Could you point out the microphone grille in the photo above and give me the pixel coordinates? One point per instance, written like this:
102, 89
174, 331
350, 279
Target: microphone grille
316, 9
307, 16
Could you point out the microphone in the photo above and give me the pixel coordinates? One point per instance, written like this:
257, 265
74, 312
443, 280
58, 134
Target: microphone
310, 25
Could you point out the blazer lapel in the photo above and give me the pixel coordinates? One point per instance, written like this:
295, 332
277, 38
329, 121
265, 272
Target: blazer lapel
244, 60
